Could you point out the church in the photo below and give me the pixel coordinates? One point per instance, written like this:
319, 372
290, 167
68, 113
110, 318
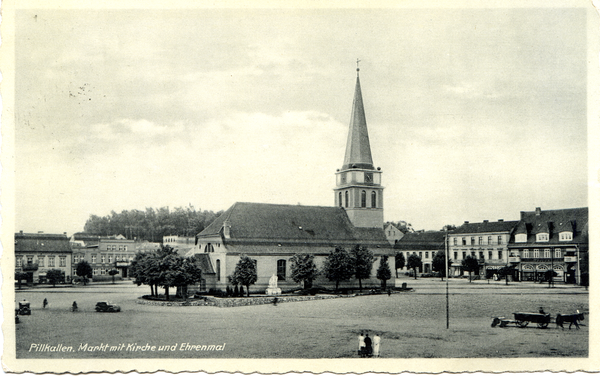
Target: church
271, 234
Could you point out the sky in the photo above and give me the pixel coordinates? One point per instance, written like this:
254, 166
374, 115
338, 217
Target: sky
472, 113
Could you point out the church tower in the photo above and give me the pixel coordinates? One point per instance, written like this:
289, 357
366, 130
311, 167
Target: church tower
358, 184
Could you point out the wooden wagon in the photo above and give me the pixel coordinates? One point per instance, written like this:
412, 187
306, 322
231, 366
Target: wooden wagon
522, 319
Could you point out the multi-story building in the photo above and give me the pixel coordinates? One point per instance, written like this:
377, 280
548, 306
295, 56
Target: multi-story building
182, 244
424, 244
487, 241
551, 240
35, 254
103, 253
392, 233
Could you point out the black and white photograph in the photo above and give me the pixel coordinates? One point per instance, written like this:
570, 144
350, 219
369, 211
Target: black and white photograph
305, 186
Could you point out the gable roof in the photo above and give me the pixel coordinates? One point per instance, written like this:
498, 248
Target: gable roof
41, 242
272, 223
428, 240
555, 221
485, 227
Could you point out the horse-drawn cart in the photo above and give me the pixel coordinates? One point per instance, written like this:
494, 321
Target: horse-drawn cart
522, 319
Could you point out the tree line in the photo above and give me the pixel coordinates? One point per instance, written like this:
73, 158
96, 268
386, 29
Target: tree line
151, 224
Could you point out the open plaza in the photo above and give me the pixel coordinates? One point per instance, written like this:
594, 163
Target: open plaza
411, 324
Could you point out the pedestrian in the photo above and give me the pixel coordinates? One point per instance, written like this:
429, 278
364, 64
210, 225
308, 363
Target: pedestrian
275, 301
368, 346
376, 342
45, 302
389, 292
361, 345
542, 311
74, 306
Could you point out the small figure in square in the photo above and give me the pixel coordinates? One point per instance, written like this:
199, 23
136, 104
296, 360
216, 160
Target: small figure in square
361, 345
45, 303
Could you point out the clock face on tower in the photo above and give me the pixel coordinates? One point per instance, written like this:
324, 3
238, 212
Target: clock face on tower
368, 177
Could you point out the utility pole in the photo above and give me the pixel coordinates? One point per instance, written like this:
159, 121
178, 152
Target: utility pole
447, 278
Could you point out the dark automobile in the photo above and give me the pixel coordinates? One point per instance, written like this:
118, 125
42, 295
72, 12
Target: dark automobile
107, 307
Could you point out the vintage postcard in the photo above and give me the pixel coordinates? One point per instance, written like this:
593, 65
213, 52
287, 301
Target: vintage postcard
303, 186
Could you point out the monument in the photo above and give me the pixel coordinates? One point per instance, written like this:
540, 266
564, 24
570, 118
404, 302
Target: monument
273, 289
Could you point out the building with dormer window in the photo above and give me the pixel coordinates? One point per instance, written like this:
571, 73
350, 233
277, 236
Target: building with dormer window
551, 240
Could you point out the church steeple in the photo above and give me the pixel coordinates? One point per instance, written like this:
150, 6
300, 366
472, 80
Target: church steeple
358, 184
358, 149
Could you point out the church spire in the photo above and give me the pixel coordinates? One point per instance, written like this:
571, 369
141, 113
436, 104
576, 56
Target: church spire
358, 149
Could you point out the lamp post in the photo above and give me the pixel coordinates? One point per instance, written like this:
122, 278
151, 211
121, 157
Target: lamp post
447, 278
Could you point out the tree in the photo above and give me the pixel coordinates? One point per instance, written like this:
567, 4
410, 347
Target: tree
363, 263
470, 264
448, 228
54, 276
338, 266
245, 273
19, 276
84, 270
383, 272
113, 272
400, 262
438, 264
303, 269
505, 271
414, 262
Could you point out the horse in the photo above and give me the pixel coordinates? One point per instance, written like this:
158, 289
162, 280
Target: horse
571, 319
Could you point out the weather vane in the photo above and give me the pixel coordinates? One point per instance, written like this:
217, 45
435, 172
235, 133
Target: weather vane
357, 68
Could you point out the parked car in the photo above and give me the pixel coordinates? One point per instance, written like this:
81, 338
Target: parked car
107, 307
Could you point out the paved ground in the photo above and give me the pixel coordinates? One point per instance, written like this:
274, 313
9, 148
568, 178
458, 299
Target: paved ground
412, 324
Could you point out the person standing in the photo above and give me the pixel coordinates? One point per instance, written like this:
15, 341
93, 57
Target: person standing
45, 302
368, 346
361, 345
376, 341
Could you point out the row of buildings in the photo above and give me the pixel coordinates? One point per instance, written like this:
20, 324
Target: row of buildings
271, 234
539, 241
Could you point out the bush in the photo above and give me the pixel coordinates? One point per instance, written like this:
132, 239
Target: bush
216, 292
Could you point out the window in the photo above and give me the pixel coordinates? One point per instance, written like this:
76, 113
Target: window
557, 253
93, 259
481, 255
520, 238
455, 254
426, 255
75, 259
472, 240
472, 253
480, 240
102, 259
50, 261
455, 241
547, 253
499, 255
542, 237
499, 239
40, 260
102, 271
109, 259
464, 255
218, 270
565, 236
346, 199
489, 240
95, 271
525, 253
536, 253
363, 199
120, 247
489, 255
30, 259
125, 248
62, 261
209, 248
19, 261
281, 270
373, 199
340, 199
421, 255
464, 241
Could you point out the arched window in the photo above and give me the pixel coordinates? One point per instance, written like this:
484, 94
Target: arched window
209, 248
340, 199
373, 199
281, 270
346, 199
218, 270
363, 199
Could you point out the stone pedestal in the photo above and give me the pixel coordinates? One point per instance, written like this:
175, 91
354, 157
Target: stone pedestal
273, 291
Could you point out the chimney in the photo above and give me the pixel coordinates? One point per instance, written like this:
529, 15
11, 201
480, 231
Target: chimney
501, 220
466, 222
226, 229
40, 232
538, 211
21, 232
485, 221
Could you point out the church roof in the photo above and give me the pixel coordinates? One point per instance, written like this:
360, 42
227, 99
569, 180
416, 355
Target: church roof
264, 224
358, 149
